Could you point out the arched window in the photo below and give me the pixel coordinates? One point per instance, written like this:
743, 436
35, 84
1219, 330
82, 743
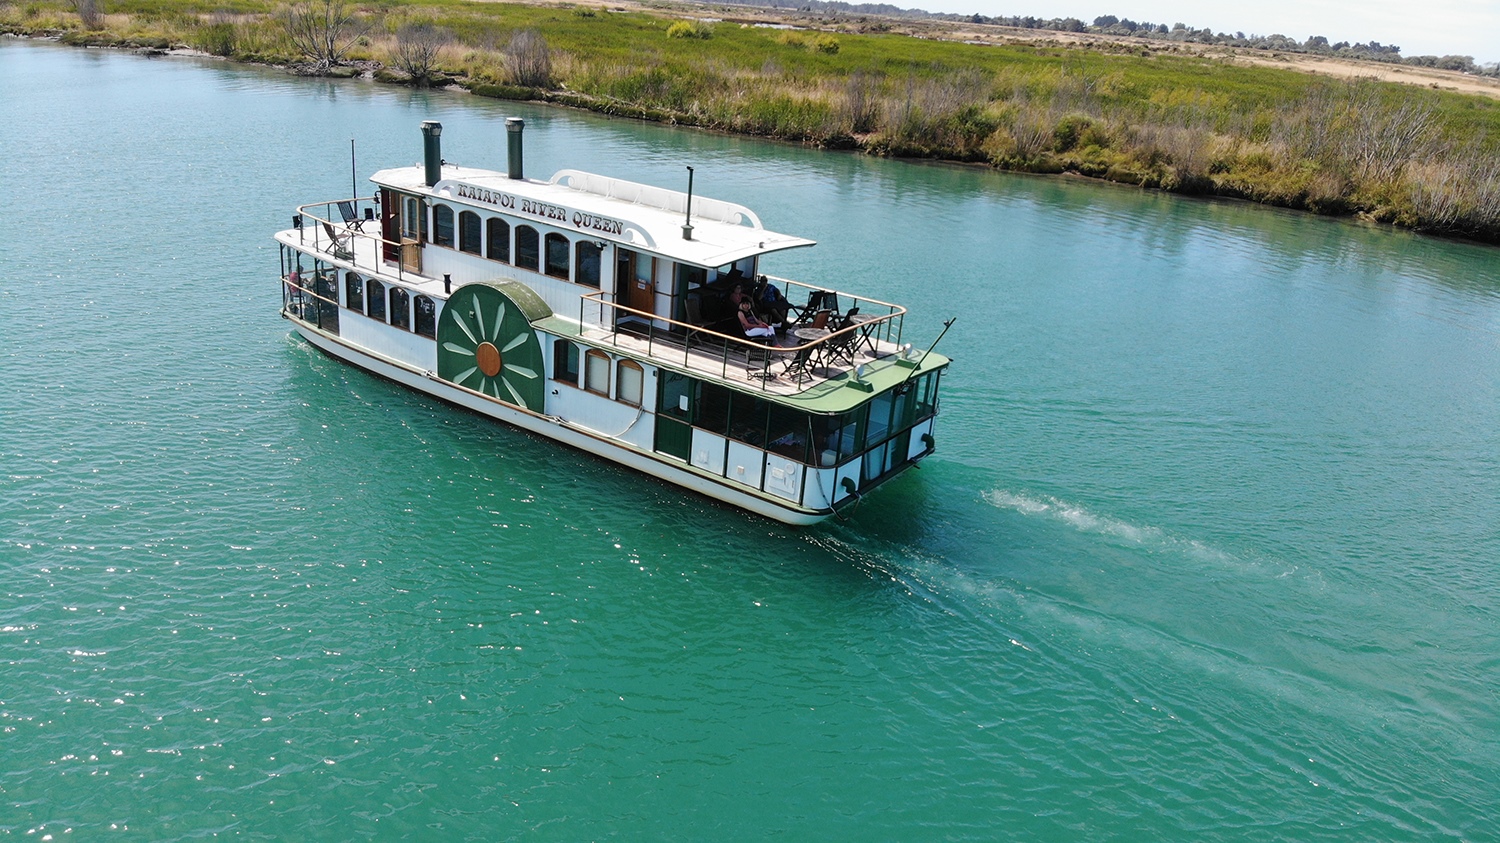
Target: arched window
400, 308
587, 273
557, 256
442, 226
630, 380
354, 292
426, 318
499, 240
565, 362
596, 372
375, 297
469, 232
527, 247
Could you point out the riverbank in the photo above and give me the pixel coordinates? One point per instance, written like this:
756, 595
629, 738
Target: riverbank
1181, 119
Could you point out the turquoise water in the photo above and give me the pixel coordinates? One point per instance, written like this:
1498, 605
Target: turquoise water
1208, 551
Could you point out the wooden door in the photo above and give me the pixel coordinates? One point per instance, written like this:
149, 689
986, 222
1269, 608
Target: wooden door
637, 277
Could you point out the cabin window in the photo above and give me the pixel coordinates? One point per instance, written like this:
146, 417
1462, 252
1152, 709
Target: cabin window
713, 409
879, 427
527, 247
413, 221
787, 432
557, 256
442, 226
354, 292
630, 381
469, 232
499, 240
565, 362
589, 259
596, 372
426, 318
926, 395
375, 296
400, 308
747, 419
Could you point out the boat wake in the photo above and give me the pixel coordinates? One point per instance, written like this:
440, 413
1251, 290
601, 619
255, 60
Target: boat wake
1122, 532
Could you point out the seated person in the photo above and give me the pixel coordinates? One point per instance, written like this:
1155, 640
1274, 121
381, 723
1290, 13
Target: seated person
737, 295
773, 303
751, 324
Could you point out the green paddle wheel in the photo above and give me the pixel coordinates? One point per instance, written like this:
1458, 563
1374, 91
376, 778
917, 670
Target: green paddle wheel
486, 342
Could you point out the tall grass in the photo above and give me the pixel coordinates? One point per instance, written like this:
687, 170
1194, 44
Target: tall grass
1411, 156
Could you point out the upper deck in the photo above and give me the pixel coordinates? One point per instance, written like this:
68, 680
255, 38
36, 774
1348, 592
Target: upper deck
618, 271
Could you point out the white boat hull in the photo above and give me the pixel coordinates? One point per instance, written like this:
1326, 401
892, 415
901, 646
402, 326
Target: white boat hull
557, 429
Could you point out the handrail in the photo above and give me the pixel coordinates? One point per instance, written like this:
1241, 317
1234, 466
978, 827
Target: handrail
318, 221
729, 341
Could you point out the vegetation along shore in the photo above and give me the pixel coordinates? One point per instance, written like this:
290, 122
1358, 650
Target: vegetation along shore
1155, 113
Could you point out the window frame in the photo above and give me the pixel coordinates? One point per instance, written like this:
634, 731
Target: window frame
442, 225
567, 362
354, 291
375, 293
526, 232
472, 245
623, 364
404, 309
579, 262
420, 301
551, 269
588, 380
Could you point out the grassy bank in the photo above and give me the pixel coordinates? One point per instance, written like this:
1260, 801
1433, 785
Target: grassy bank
1415, 157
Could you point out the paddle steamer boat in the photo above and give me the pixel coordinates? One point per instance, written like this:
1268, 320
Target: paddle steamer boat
592, 310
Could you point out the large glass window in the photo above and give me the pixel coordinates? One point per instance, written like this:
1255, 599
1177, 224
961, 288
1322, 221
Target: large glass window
354, 292
565, 362
400, 307
498, 242
442, 225
880, 418
596, 372
557, 256
426, 316
528, 247
630, 380
787, 432
375, 297
713, 409
468, 232
747, 419
589, 259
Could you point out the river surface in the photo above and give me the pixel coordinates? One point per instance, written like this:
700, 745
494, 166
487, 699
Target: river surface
1208, 550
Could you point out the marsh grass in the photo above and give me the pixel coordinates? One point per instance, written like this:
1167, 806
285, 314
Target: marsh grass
1412, 156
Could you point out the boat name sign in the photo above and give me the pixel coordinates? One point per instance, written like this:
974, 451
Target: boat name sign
541, 210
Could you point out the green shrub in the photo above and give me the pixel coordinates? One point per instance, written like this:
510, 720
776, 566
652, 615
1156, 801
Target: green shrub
689, 29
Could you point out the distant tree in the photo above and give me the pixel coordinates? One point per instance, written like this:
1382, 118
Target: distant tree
323, 30
1106, 21
90, 13
1316, 43
1463, 63
417, 48
528, 59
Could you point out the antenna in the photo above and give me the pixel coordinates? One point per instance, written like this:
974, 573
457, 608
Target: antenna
687, 223
905, 384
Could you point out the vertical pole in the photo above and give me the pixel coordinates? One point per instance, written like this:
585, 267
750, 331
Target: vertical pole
687, 224
353, 174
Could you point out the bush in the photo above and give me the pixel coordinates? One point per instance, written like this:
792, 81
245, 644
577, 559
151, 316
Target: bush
689, 29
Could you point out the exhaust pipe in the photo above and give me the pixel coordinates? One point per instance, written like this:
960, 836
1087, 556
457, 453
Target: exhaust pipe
513, 127
432, 150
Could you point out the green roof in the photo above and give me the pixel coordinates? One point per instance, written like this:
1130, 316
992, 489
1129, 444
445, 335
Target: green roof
834, 395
